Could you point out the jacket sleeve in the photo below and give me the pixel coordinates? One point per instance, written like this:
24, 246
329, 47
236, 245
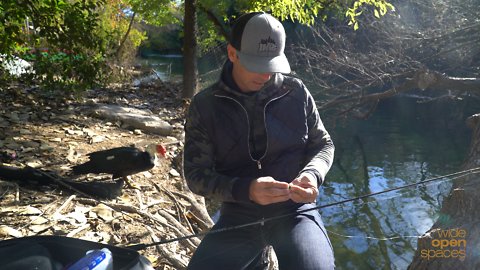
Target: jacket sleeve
320, 149
199, 164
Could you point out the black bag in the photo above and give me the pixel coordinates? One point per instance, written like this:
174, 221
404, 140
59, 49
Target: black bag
58, 252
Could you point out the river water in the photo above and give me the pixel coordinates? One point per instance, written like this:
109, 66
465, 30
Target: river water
402, 142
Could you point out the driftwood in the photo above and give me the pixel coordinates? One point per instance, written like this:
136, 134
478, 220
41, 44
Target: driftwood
422, 79
176, 262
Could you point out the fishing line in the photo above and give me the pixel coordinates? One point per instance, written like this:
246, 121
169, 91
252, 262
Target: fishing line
263, 220
330, 232
402, 193
396, 236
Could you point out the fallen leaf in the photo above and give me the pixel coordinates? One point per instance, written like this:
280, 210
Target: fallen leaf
152, 259
92, 215
97, 139
31, 144
29, 210
9, 231
174, 173
105, 237
25, 131
39, 228
65, 168
103, 211
89, 132
21, 210
34, 164
73, 132
46, 146
92, 236
28, 150
72, 156
38, 220
77, 215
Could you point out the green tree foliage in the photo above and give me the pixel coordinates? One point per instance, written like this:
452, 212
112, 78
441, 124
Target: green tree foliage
72, 44
162, 39
82, 35
116, 30
380, 8
221, 12
305, 12
58, 37
155, 12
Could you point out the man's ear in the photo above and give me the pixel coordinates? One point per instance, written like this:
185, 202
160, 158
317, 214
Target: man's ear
232, 53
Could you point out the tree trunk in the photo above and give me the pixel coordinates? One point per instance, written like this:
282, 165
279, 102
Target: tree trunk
453, 242
190, 73
122, 43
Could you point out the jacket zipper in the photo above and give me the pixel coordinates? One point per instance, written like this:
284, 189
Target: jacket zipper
265, 125
259, 163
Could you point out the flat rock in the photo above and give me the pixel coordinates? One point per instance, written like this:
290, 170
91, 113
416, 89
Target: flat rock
133, 117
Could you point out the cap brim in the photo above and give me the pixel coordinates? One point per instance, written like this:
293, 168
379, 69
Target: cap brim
262, 64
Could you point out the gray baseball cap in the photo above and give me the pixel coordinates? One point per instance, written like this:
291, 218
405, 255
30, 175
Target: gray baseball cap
259, 40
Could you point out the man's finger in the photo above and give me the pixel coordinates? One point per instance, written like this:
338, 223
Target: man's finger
278, 199
300, 194
277, 191
266, 190
276, 184
268, 199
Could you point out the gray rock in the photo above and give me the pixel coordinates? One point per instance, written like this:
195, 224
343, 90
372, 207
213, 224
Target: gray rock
134, 118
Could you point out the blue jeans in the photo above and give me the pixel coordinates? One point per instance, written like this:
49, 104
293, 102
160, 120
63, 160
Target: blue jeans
300, 242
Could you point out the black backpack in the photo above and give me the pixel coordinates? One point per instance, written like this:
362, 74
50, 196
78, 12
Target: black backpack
58, 252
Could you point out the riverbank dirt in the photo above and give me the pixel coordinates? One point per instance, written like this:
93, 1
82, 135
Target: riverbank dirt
51, 132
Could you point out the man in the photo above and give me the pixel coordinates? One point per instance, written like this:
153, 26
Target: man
255, 141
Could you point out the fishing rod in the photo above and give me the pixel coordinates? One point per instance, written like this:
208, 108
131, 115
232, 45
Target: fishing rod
263, 220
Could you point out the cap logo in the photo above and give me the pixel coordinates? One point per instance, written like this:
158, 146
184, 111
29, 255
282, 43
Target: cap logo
267, 45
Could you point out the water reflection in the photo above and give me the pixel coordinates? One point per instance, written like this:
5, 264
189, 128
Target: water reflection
390, 149
359, 230
166, 66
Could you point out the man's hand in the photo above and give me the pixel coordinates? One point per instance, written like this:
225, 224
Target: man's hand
303, 189
266, 190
